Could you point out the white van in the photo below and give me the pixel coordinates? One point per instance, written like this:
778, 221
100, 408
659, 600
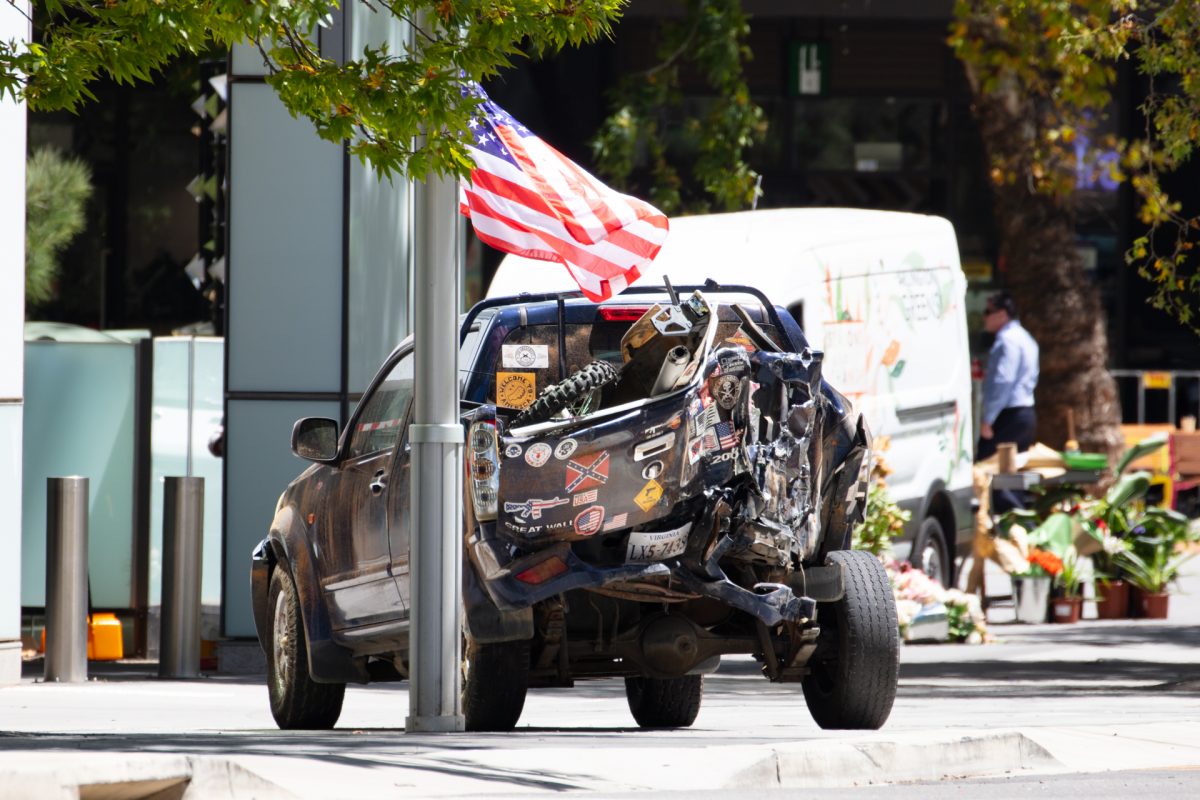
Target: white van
882, 293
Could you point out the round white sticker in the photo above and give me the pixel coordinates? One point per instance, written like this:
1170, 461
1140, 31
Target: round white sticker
537, 454
565, 448
513, 450
525, 356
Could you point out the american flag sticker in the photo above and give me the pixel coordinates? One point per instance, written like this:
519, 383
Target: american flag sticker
727, 437
583, 498
617, 522
589, 520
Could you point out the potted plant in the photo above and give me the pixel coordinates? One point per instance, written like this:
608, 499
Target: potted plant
1152, 562
1068, 604
1031, 587
1112, 591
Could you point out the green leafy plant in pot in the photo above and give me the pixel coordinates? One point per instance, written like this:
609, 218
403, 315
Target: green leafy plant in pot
1153, 561
1069, 582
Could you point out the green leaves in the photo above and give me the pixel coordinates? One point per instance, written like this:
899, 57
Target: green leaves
687, 160
57, 189
380, 102
1057, 59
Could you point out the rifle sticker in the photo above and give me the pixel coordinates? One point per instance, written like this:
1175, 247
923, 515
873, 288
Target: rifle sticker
515, 389
525, 356
565, 448
670, 425
589, 520
533, 507
537, 454
649, 496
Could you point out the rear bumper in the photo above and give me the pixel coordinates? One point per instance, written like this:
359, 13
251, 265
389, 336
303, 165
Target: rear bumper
770, 603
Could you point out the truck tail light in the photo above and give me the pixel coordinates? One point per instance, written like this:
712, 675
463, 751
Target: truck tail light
542, 572
483, 460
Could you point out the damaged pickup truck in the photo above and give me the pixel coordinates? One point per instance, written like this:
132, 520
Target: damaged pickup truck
650, 483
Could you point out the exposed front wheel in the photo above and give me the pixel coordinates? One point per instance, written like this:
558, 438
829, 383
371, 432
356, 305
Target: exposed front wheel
494, 683
297, 701
931, 553
665, 702
854, 672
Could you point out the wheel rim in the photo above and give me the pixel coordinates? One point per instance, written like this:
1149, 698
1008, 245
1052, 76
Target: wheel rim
931, 561
283, 666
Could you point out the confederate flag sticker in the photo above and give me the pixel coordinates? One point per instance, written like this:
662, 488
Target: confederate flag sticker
589, 520
587, 472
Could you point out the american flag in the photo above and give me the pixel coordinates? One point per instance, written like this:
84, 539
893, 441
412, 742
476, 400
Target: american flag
727, 437
525, 197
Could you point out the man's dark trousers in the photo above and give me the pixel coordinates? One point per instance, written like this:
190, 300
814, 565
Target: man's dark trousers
1012, 425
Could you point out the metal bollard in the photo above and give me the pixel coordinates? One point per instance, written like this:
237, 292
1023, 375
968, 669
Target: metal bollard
66, 579
183, 536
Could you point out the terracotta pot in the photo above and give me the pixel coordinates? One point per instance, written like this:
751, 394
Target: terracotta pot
1112, 599
1067, 609
1151, 605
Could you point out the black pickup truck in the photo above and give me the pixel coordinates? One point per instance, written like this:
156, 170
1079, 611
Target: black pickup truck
650, 483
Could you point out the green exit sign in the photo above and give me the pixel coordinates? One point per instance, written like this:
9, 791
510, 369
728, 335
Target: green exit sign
808, 68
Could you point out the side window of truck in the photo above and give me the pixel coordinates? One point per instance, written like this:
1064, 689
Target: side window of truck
381, 423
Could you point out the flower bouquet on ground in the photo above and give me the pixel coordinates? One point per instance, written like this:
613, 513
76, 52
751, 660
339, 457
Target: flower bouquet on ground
928, 611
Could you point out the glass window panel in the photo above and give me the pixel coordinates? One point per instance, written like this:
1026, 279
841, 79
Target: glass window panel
285, 249
381, 423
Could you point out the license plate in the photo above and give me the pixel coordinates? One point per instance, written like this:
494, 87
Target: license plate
647, 546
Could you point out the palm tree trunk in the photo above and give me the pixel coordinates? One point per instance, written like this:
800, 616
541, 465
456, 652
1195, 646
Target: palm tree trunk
1057, 303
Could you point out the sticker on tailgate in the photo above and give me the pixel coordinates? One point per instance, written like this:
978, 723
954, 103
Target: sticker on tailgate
647, 546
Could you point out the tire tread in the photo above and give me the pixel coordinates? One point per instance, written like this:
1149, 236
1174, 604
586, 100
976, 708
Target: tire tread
305, 704
867, 665
665, 702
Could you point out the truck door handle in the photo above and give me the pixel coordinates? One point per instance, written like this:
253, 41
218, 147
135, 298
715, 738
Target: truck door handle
379, 483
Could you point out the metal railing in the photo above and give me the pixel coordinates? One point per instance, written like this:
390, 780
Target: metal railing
1173, 382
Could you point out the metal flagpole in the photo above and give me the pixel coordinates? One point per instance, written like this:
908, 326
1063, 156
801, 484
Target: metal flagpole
435, 639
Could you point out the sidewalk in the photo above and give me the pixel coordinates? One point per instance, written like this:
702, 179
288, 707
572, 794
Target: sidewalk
1043, 699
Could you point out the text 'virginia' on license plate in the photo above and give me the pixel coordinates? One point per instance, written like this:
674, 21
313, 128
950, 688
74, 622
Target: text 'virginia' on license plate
647, 546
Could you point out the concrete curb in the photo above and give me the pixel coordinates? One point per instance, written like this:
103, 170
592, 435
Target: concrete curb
132, 776
848, 764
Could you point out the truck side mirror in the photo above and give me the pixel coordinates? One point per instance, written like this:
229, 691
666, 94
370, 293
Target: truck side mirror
315, 439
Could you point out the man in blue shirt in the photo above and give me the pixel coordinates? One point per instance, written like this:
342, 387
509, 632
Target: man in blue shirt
1012, 375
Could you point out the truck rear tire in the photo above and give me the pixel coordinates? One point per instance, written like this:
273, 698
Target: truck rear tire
494, 684
665, 702
854, 672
